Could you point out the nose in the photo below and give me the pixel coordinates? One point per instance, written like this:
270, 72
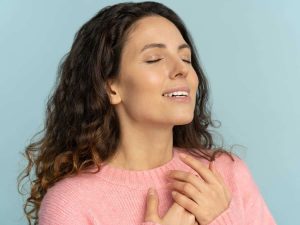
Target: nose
179, 68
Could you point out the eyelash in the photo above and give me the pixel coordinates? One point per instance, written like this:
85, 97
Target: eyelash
153, 61
187, 61
156, 60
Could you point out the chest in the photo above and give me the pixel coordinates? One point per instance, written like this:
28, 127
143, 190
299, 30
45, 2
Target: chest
126, 206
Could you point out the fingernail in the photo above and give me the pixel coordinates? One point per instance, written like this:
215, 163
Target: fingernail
151, 191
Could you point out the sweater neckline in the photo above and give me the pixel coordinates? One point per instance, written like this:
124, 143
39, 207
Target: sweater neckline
141, 178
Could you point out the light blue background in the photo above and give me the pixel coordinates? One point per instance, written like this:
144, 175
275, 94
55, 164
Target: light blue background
249, 50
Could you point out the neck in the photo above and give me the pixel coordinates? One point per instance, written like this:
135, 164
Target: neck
143, 149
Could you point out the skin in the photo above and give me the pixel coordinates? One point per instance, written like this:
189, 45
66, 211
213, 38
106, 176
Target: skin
206, 196
147, 119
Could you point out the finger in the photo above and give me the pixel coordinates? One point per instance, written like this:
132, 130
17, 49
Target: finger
187, 189
220, 179
200, 168
217, 174
213, 168
176, 208
189, 178
151, 206
185, 202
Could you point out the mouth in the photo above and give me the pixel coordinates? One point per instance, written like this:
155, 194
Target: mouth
177, 92
178, 95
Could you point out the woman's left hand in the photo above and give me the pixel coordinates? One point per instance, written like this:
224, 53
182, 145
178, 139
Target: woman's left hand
205, 198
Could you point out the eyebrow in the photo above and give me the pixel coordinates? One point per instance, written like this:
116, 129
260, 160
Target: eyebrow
160, 45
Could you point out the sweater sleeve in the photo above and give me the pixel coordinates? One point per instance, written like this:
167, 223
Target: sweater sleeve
61, 206
255, 207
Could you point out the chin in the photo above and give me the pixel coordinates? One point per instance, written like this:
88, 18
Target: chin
183, 120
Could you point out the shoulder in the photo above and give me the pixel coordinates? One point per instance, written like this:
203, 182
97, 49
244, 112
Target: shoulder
75, 187
236, 174
65, 188
231, 165
235, 165
65, 191
229, 160
65, 201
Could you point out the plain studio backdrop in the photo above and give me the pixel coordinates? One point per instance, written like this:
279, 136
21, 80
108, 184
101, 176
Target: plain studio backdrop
250, 52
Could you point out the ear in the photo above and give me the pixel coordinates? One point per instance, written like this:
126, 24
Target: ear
112, 90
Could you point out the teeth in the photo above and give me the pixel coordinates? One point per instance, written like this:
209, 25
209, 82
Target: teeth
176, 93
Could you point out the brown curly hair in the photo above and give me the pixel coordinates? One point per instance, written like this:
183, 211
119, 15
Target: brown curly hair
81, 127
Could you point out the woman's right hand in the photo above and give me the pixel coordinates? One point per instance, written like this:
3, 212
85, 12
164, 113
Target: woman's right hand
176, 215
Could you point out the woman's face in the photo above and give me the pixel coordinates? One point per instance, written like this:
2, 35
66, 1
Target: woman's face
155, 59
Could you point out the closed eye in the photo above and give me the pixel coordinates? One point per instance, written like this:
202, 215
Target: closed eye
153, 61
156, 60
187, 61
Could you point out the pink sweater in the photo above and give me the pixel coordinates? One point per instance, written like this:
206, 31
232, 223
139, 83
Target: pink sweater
118, 197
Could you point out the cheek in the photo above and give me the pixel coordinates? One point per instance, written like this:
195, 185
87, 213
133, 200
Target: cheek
143, 84
194, 80
141, 92
153, 79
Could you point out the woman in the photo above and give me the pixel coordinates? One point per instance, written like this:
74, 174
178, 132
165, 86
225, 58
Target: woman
130, 98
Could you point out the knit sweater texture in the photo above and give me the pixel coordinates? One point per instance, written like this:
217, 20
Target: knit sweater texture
115, 196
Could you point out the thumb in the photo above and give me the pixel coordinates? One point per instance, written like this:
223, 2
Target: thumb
151, 214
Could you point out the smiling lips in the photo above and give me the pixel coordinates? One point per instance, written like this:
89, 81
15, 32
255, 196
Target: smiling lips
177, 92
180, 94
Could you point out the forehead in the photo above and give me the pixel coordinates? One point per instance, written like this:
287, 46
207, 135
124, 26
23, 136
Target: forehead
153, 29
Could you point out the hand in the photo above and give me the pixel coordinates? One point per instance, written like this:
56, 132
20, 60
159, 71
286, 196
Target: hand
176, 215
205, 198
